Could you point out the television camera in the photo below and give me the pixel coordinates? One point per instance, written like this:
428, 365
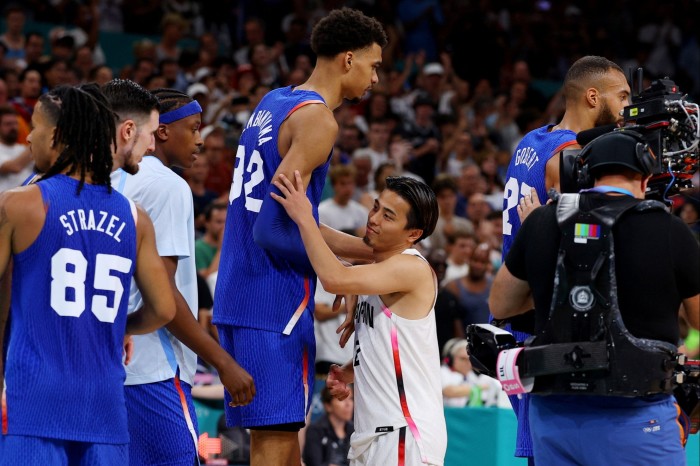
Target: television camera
669, 123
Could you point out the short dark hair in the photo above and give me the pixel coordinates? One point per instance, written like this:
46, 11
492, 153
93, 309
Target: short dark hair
130, 100
212, 206
346, 29
7, 110
171, 99
85, 127
341, 171
424, 209
443, 182
585, 72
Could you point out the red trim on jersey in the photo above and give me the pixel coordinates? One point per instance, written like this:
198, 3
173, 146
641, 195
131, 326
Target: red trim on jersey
402, 446
305, 376
563, 146
4, 416
295, 317
299, 105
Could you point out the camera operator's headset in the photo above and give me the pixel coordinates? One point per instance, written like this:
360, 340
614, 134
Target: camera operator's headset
447, 351
646, 160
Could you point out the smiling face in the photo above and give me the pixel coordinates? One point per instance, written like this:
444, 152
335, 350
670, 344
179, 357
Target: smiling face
386, 223
362, 73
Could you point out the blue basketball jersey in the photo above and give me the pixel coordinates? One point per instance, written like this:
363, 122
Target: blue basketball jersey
63, 374
255, 288
527, 170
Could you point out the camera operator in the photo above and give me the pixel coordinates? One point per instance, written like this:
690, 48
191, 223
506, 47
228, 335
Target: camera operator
595, 91
653, 269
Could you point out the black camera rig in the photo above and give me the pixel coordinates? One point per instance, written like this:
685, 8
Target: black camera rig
486, 342
669, 123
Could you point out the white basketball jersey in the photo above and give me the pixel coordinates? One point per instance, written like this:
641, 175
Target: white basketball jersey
397, 379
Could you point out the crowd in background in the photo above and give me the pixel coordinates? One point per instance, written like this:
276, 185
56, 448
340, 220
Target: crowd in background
461, 82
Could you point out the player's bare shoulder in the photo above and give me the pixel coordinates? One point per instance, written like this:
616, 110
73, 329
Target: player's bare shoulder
311, 120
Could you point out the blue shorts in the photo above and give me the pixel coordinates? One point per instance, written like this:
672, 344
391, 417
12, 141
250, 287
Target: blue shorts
282, 367
523, 440
593, 430
22, 449
162, 423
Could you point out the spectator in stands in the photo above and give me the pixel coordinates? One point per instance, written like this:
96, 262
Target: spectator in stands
384, 170
461, 386
30, 83
328, 439
424, 136
220, 166
13, 37
196, 177
377, 142
254, 32
473, 289
100, 74
207, 248
15, 158
173, 28
445, 188
33, 49
478, 208
341, 212
460, 246
469, 182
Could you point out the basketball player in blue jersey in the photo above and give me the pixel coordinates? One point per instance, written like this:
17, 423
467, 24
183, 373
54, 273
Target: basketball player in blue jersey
265, 288
595, 92
162, 420
75, 245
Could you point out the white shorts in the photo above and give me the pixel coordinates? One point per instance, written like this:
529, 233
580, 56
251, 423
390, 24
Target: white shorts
384, 449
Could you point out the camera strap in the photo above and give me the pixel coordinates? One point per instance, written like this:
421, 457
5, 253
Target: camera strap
585, 346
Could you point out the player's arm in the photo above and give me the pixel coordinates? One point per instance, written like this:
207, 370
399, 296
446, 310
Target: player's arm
551, 171
691, 310
345, 245
152, 280
509, 296
388, 276
312, 131
186, 329
6, 230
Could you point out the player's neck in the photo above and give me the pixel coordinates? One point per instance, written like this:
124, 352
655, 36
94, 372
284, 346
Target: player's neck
326, 84
573, 121
160, 155
385, 254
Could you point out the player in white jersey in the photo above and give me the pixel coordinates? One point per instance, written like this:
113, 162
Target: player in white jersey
399, 417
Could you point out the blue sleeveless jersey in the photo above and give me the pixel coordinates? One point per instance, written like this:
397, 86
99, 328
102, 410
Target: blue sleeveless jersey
527, 170
70, 291
255, 288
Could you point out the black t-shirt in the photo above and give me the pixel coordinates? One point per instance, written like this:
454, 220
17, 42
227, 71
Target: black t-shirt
657, 265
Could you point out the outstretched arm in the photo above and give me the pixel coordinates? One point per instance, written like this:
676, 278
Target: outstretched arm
186, 329
387, 276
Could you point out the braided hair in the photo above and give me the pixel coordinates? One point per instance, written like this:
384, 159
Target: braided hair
170, 99
86, 130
